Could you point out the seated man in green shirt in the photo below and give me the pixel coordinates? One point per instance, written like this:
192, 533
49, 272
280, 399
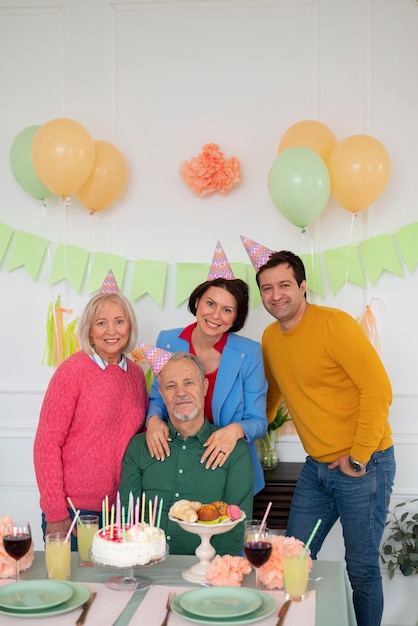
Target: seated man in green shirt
181, 475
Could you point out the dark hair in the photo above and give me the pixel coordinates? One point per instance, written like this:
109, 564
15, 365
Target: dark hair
236, 287
281, 258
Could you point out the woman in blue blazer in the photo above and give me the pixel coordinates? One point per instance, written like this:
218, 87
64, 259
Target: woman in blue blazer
236, 398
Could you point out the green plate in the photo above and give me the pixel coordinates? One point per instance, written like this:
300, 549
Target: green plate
34, 594
220, 602
79, 595
266, 608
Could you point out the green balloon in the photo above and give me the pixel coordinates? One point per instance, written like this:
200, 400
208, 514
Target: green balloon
299, 185
20, 158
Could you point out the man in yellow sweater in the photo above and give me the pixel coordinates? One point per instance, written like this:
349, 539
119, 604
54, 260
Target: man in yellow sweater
321, 363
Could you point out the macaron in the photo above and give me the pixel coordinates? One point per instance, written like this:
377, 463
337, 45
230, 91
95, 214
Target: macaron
234, 512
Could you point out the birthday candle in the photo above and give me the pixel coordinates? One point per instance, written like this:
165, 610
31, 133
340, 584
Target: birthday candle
107, 511
131, 504
103, 514
137, 511
112, 520
143, 508
154, 510
129, 507
123, 524
159, 513
118, 510
150, 513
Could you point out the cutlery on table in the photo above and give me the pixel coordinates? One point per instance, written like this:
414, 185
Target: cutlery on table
85, 608
170, 598
282, 612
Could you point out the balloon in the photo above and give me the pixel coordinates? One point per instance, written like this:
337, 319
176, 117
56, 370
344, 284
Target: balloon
107, 180
63, 155
309, 134
21, 164
360, 168
299, 185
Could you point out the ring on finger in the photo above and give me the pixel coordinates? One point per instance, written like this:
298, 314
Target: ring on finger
221, 452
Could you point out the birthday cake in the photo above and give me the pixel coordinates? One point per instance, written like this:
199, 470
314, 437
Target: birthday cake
139, 544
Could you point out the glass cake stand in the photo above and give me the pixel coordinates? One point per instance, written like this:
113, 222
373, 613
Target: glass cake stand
205, 551
129, 582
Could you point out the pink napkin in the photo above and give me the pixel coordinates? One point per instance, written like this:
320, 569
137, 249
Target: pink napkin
105, 609
151, 611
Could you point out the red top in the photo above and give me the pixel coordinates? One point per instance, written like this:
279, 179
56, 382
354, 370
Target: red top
211, 377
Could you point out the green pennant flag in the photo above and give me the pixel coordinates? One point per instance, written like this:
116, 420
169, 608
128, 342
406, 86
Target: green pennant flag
149, 277
407, 238
343, 264
379, 254
27, 250
188, 277
101, 264
70, 262
239, 270
252, 284
6, 233
313, 273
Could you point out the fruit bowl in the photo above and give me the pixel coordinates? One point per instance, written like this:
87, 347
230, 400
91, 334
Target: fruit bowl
205, 551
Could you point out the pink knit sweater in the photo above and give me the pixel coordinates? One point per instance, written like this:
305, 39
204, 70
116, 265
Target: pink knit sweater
87, 419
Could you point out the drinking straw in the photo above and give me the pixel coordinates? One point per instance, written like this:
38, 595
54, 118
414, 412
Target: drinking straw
263, 521
312, 535
73, 523
73, 508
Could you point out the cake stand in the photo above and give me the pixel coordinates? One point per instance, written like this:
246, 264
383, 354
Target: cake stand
205, 551
129, 582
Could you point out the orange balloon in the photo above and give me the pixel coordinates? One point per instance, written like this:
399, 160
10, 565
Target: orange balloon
309, 134
107, 180
359, 167
62, 155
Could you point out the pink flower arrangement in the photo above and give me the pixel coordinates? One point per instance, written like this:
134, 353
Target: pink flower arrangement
7, 564
227, 570
210, 172
271, 574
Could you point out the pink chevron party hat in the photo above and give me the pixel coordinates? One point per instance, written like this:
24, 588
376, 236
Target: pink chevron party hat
259, 255
109, 285
220, 267
156, 357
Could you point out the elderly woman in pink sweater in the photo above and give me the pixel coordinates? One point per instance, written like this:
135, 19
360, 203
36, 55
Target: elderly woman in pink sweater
95, 402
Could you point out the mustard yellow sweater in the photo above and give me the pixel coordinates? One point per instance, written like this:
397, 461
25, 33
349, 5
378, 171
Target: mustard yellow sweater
333, 382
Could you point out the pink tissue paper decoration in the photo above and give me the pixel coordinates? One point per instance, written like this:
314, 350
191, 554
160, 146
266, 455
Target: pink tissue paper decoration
109, 284
271, 573
259, 255
7, 564
220, 267
156, 357
210, 171
227, 571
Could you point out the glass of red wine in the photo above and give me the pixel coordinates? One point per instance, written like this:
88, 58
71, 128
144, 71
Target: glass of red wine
257, 545
16, 540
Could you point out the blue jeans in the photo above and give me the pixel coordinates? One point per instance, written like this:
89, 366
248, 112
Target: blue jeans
71, 514
362, 505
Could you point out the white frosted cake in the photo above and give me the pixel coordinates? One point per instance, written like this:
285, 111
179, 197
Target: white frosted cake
142, 545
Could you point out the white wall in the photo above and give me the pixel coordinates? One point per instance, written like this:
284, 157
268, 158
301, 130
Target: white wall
159, 80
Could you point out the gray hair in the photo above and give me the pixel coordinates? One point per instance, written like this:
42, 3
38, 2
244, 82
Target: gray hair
178, 356
90, 313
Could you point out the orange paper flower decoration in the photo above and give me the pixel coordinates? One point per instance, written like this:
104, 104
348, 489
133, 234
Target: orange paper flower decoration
271, 574
210, 172
227, 571
7, 564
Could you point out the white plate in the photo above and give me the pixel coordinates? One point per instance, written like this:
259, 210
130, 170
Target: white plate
220, 602
79, 596
32, 595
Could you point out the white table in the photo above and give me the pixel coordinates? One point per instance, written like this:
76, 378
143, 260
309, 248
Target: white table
328, 578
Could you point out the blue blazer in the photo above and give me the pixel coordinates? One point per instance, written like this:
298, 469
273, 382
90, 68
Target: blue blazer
239, 394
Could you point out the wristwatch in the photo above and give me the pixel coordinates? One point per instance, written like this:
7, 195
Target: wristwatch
356, 466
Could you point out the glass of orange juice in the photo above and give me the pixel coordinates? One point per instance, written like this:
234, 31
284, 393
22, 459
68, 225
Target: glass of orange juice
58, 556
87, 526
295, 575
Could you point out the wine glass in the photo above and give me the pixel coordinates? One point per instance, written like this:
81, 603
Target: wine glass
17, 539
257, 546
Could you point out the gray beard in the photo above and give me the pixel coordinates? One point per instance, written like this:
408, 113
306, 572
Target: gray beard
185, 418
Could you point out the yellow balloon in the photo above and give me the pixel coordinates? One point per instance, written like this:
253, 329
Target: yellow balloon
107, 179
309, 134
62, 155
359, 167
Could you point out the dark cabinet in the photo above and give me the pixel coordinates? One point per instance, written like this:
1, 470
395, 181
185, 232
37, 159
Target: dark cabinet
280, 485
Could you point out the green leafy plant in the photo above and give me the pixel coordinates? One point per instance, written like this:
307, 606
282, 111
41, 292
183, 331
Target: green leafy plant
400, 548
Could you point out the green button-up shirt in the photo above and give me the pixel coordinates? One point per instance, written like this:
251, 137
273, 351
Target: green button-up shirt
182, 476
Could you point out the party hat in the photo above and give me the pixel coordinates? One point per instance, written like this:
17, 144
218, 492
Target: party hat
259, 255
109, 285
156, 357
220, 268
